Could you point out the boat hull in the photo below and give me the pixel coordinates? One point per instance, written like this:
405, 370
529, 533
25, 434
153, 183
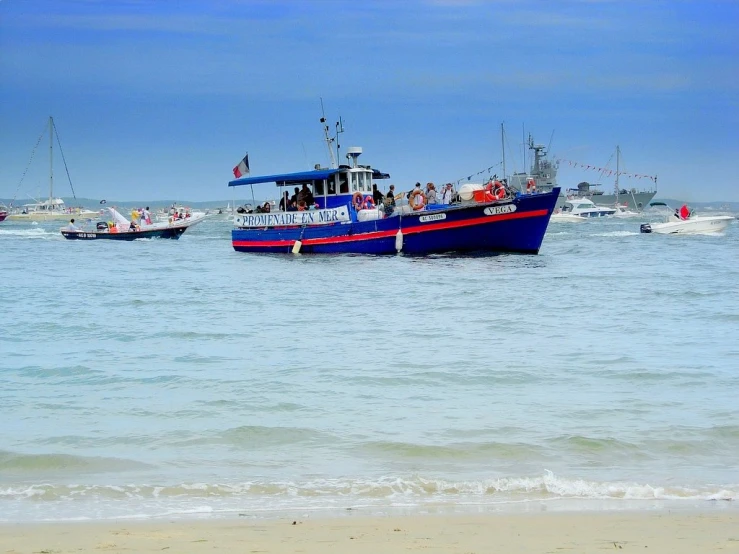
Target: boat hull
566, 218
694, 226
50, 216
3, 215
516, 225
159, 232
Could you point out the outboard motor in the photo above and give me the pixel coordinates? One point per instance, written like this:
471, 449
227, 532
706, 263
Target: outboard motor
645, 228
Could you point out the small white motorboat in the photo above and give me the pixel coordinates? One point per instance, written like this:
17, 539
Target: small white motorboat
622, 210
685, 222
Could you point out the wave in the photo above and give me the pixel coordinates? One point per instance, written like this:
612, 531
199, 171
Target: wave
33, 232
255, 437
540, 487
458, 451
28, 464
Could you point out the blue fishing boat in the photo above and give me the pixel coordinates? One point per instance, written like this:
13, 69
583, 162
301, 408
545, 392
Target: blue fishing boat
344, 218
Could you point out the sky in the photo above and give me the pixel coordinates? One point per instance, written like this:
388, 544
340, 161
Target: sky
160, 100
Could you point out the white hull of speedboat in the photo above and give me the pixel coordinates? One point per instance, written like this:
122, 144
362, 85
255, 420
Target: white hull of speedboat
696, 225
53, 216
566, 218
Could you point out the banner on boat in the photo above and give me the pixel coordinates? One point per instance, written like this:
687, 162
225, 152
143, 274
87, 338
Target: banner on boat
314, 217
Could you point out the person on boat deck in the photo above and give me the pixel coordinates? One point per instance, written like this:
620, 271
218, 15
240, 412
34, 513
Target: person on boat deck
387, 204
391, 195
447, 194
294, 197
72, 226
305, 195
133, 227
302, 206
377, 196
284, 201
431, 193
146, 216
684, 212
410, 192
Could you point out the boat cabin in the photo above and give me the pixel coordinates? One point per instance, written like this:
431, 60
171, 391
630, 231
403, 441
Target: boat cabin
331, 187
51, 206
577, 205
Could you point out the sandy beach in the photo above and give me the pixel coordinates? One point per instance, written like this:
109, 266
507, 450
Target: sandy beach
565, 532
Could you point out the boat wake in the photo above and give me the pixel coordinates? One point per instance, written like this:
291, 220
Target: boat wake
615, 234
35, 232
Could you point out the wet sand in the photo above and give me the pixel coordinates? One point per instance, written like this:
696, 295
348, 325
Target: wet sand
659, 532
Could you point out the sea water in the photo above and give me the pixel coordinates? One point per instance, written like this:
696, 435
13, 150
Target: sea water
162, 378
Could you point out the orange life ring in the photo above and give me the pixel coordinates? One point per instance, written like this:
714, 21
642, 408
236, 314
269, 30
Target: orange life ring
369, 203
499, 192
417, 206
357, 200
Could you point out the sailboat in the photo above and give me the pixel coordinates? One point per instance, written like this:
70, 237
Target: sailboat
51, 208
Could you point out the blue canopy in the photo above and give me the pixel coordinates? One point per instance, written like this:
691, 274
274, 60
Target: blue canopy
299, 177
286, 178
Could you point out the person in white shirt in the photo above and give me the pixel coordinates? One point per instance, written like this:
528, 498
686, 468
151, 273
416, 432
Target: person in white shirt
72, 226
447, 194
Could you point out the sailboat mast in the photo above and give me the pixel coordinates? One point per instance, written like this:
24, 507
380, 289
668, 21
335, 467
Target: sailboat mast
51, 160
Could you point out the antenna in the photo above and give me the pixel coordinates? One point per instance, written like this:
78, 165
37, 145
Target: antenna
328, 139
339, 129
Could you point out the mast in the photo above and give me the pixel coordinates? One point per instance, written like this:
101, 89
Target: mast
502, 143
51, 161
618, 169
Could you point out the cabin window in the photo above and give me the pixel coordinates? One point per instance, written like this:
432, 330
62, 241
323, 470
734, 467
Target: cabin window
318, 189
355, 181
343, 183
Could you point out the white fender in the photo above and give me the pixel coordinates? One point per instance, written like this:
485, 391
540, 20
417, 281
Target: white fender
296, 246
399, 240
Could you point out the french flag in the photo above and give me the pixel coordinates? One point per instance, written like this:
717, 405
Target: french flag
242, 168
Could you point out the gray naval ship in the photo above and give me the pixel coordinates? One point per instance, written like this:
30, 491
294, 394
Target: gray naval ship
543, 178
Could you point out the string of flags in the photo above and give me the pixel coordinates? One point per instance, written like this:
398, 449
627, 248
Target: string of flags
606, 171
481, 172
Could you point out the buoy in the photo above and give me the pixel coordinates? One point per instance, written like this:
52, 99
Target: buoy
296, 246
399, 240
